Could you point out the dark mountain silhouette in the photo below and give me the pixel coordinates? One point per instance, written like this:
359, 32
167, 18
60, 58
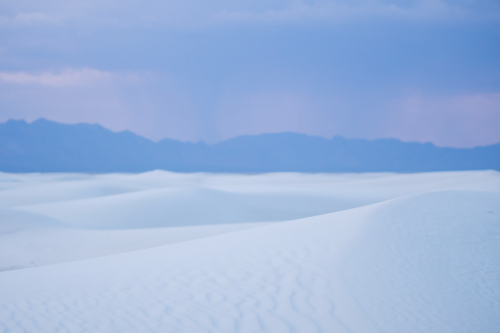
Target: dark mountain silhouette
47, 146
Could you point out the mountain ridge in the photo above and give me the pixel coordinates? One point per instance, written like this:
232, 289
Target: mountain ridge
48, 146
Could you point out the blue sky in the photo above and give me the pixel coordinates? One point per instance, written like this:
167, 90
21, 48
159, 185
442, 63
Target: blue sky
195, 70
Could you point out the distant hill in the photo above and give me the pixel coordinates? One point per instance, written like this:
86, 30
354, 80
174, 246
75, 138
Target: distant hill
47, 146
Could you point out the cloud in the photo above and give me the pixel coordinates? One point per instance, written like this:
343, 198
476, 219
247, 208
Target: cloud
241, 75
32, 18
68, 77
200, 14
298, 10
345, 11
459, 121
466, 120
147, 103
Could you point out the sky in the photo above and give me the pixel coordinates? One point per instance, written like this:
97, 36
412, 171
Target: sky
197, 70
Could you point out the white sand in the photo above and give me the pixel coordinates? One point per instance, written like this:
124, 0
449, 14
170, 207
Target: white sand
413, 252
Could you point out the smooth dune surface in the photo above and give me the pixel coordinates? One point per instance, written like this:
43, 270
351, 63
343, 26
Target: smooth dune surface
282, 252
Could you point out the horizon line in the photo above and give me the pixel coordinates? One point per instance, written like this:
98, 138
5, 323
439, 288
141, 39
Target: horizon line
239, 136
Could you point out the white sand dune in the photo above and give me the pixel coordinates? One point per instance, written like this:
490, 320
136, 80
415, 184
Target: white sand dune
165, 199
416, 253
30, 240
184, 206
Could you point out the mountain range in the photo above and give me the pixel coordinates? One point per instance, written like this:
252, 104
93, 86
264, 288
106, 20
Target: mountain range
47, 146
